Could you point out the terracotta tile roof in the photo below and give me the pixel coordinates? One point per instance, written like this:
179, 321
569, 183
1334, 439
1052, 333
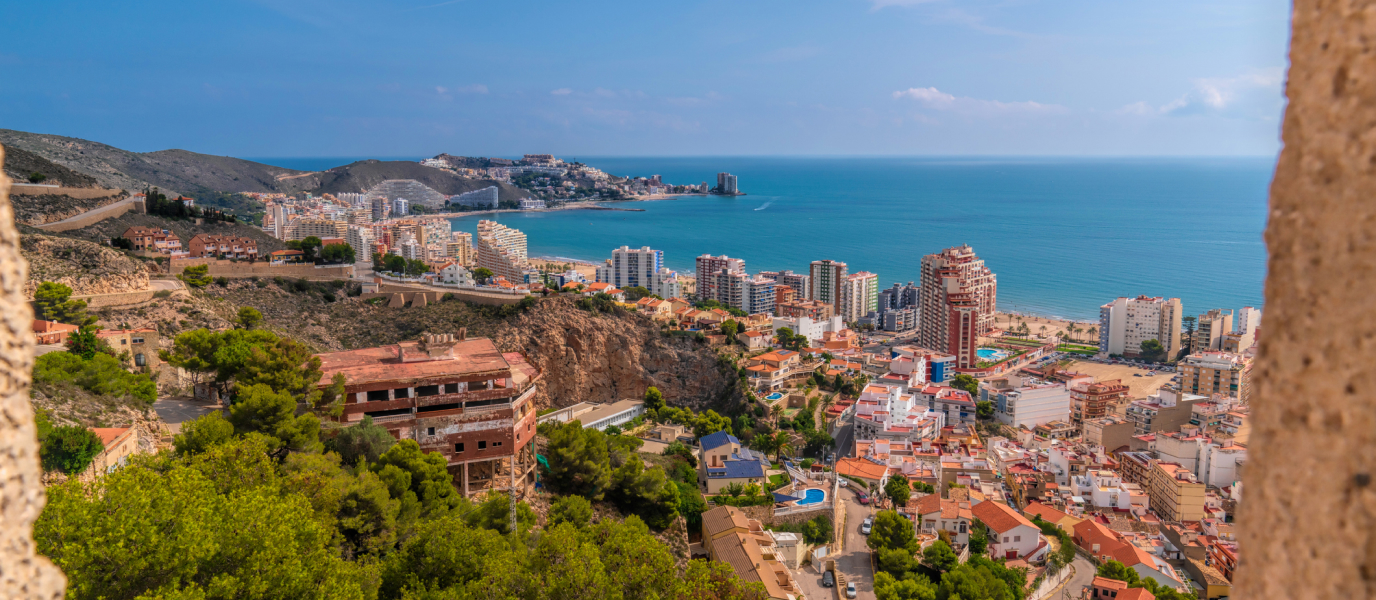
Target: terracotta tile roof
1136, 594
108, 435
859, 467
722, 519
1109, 584
999, 517
1047, 513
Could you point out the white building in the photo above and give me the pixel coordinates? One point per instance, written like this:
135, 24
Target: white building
890, 412
413, 191
455, 274
531, 204
360, 238
1104, 489
1026, 402
412, 250
1127, 322
1011, 535
484, 198
859, 296
400, 207
597, 416
808, 327
1214, 463
643, 267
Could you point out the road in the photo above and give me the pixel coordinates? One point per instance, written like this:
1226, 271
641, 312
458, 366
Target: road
95, 211
165, 284
174, 412
1084, 575
853, 560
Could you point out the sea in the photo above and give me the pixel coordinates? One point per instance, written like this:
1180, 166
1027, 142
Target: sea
1063, 235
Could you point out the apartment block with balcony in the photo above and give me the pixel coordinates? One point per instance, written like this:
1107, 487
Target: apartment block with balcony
502, 250
1094, 399
1127, 322
1026, 402
153, 239
958, 301
227, 246
1208, 373
456, 396
1176, 495
1166, 411
1210, 328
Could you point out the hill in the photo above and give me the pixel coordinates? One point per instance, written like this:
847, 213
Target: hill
195, 174
20, 164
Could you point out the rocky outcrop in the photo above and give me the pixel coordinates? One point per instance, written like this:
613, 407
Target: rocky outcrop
49, 208
603, 358
86, 267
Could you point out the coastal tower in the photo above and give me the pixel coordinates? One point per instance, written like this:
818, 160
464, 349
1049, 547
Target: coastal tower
502, 250
958, 299
828, 281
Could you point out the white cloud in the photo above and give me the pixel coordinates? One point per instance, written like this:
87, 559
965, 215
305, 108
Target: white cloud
448, 93
561, 92
1217, 94
930, 97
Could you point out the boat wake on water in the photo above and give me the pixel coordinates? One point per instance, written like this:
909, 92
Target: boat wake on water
764, 206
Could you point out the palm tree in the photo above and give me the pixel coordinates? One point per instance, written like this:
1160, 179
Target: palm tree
766, 443
1043, 330
1093, 333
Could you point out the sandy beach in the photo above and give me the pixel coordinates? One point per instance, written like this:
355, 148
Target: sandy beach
1046, 326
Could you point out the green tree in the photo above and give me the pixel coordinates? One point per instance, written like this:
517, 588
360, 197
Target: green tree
647, 493
197, 276
419, 479
494, 513
52, 302
310, 247
898, 490
1153, 351
575, 510
1116, 570
897, 562
249, 317
984, 409
482, 274
892, 531
70, 449
445, 553
977, 579
772, 443
709, 422
654, 399
816, 441
207, 431
394, 264
337, 254
364, 441
940, 556
966, 382
259, 409
887, 587
729, 328
85, 343
36, 177
578, 461
979, 538
100, 374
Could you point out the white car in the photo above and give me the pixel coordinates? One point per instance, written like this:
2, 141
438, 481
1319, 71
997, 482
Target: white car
850, 589
867, 526
845, 482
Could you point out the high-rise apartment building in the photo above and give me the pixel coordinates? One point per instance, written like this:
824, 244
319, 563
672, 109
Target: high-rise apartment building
958, 300
360, 238
828, 281
1127, 322
460, 248
1207, 373
303, 228
1210, 328
708, 267
640, 267
800, 284
381, 208
726, 182
1245, 326
280, 217
502, 250
400, 207
752, 294
859, 295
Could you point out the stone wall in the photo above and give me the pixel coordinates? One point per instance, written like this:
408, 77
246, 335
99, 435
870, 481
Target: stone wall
93, 216
240, 269
1307, 520
120, 299
23, 574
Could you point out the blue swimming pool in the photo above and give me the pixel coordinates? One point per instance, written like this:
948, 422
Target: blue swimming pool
812, 496
774, 396
991, 354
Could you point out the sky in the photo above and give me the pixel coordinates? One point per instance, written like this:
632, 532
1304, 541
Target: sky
296, 78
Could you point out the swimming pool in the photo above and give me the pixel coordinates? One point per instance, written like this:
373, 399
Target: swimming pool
812, 496
991, 354
774, 396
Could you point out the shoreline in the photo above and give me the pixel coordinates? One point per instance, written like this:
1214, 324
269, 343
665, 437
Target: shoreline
577, 205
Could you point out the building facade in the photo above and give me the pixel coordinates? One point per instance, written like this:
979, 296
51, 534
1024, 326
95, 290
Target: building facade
708, 267
502, 250
206, 245
1127, 322
1210, 328
800, 284
958, 300
859, 295
828, 281
1208, 373
1022, 402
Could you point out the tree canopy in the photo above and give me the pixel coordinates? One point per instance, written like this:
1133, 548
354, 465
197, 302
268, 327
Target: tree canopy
52, 302
70, 449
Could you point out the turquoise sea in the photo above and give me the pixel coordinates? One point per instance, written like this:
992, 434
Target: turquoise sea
1064, 235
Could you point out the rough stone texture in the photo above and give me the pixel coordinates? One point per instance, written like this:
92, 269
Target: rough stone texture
1308, 516
86, 267
23, 574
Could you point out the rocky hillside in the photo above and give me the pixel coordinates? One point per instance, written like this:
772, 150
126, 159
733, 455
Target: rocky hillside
184, 228
49, 208
20, 164
193, 174
584, 356
86, 267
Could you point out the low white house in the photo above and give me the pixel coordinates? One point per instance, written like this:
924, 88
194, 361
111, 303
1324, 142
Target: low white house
455, 274
1011, 535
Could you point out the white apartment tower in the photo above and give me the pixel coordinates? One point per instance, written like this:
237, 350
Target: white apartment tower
360, 238
859, 296
643, 267
708, 267
502, 250
1127, 322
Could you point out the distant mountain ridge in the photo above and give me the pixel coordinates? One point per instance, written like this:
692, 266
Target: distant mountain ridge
192, 173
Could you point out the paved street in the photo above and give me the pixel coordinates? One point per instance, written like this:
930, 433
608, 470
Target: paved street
853, 560
1084, 575
175, 411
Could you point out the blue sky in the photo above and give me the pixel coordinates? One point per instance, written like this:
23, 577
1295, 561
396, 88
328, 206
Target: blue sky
735, 77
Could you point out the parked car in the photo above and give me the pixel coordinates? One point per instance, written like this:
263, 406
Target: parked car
844, 482
828, 580
867, 526
862, 497
850, 589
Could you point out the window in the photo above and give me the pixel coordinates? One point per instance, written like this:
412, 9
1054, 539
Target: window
430, 431
1017, 538
428, 390
138, 340
482, 445
458, 447
496, 444
123, 342
377, 396
1005, 539
140, 361
451, 388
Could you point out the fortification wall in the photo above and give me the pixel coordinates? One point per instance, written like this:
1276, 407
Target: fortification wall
232, 269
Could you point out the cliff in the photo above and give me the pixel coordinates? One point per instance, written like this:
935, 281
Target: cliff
86, 267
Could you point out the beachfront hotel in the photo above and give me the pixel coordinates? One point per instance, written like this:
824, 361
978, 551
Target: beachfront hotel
958, 296
1127, 322
502, 250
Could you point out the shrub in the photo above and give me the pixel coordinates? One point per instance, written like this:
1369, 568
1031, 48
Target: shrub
101, 374
70, 449
162, 293
221, 281
197, 276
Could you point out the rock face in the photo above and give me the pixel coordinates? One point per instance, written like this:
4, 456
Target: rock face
602, 358
23, 574
86, 267
49, 208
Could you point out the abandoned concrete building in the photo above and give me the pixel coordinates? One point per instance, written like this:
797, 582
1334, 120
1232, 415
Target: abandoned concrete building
453, 395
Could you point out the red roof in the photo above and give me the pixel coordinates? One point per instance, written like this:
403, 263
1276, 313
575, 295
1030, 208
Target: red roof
1000, 517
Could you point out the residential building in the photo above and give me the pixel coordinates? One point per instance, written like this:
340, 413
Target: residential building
52, 332
959, 297
941, 514
1215, 462
1176, 495
141, 344
772, 369
1011, 535
411, 191
708, 267
817, 311
754, 295
1210, 328
1207, 373
1127, 322
453, 273
400, 206
502, 250
643, 267
227, 246
531, 204
756, 555
722, 461
1105, 490
304, 227
813, 329
119, 444
1091, 399
153, 239
1222, 555
460, 247
800, 284
1105, 544
828, 282
1110, 432
597, 416
893, 412
1026, 402
360, 238
726, 183
381, 208
1246, 322
456, 396
1166, 411
859, 296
